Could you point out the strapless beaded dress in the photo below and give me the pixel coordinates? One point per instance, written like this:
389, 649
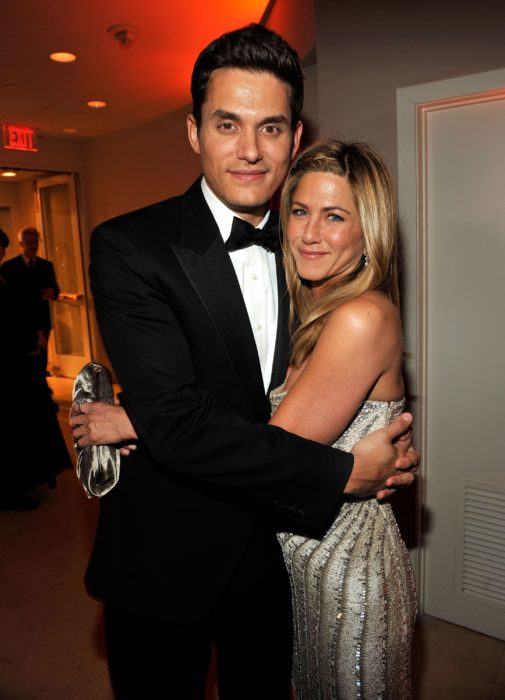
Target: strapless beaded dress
354, 600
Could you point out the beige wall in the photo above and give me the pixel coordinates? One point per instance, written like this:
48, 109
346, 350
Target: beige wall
366, 50
61, 154
138, 167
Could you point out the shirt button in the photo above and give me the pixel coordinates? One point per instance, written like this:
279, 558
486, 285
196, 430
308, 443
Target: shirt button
254, 276
259, 327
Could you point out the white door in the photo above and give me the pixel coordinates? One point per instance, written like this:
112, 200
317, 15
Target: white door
461, 355
59, 223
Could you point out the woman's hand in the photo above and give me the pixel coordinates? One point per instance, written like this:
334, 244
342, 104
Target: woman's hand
102, 424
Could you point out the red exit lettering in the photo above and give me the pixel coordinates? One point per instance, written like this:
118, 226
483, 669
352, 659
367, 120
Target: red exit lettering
20, 138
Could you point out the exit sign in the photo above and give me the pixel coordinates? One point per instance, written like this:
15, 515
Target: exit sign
20, 138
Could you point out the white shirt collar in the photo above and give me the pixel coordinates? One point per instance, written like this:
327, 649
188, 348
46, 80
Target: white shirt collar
221, 213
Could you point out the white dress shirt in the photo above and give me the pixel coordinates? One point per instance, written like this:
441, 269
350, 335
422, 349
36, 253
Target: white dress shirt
257, 276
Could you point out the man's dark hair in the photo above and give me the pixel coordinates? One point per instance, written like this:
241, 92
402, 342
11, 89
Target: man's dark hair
253, 48
4, 239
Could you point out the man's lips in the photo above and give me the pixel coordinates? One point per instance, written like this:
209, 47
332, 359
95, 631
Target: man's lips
248, 175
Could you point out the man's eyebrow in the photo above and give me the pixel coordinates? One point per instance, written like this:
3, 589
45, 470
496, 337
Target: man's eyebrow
223, 114
273, 119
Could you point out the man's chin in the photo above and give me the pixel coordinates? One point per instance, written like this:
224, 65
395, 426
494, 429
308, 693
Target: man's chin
251, 207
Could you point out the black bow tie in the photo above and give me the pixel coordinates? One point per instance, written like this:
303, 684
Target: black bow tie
243, 234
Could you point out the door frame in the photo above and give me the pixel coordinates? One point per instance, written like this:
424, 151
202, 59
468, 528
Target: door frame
72, 179
413, 106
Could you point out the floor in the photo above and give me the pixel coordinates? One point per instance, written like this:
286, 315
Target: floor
51, 642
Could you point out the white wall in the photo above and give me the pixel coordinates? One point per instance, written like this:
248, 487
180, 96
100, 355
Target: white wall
366, 50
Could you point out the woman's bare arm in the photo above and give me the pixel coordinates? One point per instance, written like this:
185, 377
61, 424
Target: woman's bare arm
357, 356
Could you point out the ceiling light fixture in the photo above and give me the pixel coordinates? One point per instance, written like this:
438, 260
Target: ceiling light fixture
96, 104
69, 130
124, 34
8, 173
62, 57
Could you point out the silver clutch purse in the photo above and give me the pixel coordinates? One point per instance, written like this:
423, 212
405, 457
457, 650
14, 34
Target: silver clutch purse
97, 466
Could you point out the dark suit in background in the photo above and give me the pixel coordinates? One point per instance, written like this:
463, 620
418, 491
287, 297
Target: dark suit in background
26, 283
38, 446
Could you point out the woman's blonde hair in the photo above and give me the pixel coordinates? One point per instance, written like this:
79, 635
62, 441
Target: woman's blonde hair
373, 194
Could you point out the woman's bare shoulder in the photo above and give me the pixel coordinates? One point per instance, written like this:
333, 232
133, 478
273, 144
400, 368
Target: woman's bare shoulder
369, 314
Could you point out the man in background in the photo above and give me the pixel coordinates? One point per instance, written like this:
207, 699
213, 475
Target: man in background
33, 285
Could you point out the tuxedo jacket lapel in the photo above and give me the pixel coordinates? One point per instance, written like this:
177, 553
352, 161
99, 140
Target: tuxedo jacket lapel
209, 269
282, 343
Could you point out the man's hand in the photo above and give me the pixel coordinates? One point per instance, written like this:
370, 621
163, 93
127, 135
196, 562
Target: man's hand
384, 460
101, 424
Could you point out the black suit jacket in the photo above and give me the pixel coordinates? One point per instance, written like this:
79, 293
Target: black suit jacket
26, 286
208, 472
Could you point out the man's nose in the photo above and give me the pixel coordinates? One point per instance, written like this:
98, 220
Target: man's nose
249, 147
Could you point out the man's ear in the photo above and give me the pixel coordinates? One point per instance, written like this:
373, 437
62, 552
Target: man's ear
297, 135
193, 133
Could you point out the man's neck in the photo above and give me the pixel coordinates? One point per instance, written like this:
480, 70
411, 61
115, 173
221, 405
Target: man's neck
256, 217
222, 214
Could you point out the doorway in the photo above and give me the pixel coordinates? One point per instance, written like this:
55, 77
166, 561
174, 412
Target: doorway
452, 213
49, 202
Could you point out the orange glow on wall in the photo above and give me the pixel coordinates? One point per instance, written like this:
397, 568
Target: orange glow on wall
214, 19
20, 138
294, 20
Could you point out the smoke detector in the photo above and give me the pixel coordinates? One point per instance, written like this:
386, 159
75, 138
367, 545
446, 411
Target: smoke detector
123, 34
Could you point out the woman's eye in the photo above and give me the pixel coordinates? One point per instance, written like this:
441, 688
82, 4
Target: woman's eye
298, 211
335, 217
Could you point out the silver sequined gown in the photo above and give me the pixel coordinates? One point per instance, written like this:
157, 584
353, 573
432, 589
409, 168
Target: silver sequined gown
354, 598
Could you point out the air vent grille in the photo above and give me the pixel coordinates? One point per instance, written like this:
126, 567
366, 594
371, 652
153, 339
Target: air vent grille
482, 564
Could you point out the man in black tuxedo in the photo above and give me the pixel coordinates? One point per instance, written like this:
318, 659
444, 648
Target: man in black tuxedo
196, 328
32, 282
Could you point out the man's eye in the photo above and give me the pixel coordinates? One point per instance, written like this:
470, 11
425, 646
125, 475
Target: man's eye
271, 129
225, 126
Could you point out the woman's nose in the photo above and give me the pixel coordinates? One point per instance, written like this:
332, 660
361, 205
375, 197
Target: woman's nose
311, 231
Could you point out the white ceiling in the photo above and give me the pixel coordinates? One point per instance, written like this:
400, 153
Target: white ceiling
140, 83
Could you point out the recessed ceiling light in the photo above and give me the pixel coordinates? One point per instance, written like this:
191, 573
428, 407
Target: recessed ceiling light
69, 130
8, 173
96, 104
62, 57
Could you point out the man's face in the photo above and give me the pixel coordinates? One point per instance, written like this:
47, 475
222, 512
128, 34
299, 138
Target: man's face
30, 244
245, 139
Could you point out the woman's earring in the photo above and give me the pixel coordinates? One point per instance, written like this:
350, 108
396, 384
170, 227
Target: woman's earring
365, 260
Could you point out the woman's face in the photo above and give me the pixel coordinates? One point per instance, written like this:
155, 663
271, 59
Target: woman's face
324, 230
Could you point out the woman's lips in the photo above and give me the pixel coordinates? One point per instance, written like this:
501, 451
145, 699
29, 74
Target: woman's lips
311, 254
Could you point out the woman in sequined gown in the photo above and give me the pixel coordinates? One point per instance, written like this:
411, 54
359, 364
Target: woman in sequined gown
353, 591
